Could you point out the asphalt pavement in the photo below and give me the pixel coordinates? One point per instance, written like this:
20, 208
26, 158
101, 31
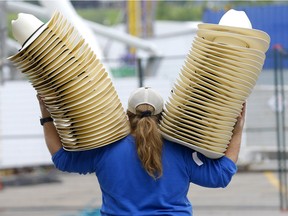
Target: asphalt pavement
249, 193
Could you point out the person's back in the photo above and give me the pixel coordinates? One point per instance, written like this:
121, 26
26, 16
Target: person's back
129, 190
142, 174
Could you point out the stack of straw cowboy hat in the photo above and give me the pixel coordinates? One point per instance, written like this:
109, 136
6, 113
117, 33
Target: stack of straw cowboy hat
76, 89
218, 75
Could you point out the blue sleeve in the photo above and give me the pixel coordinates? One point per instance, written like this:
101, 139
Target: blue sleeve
208, 172
81, 162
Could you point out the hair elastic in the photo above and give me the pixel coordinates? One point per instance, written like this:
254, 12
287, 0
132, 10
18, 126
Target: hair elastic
146, 113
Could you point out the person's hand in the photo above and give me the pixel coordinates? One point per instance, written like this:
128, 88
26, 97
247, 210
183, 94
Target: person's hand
239, 125
43, 109
233, 149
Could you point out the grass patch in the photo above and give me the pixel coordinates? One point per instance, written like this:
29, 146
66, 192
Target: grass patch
105, 16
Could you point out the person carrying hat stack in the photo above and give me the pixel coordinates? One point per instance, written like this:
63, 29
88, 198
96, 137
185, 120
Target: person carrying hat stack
143, 174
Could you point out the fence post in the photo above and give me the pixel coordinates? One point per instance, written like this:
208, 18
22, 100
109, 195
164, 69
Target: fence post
280, 125
140, 72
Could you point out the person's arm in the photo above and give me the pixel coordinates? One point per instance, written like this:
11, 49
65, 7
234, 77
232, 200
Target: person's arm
233, 149
79, 162
51, 136
217, 172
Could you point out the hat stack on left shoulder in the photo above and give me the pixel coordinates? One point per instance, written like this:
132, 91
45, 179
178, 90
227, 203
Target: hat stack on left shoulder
219, 73
75, 86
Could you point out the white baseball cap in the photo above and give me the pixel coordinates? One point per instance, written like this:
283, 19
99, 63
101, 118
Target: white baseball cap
145, 95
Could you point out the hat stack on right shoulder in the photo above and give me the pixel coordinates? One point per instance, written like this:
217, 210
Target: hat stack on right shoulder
218, 75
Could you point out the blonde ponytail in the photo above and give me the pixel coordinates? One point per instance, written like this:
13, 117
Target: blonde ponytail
148, 140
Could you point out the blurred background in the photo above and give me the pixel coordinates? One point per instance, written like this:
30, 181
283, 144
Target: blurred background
141, 43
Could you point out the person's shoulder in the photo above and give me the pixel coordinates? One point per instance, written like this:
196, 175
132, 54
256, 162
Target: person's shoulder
125, 141
176, 146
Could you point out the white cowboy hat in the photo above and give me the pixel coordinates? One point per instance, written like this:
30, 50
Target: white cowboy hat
236, 22
26, 28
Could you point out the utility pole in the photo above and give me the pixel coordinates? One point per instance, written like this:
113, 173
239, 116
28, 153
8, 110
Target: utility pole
3, 36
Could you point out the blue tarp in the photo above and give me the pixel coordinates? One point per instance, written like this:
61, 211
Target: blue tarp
273, 19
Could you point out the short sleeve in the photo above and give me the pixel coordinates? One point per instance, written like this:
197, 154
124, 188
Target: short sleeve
82, 162
208, 172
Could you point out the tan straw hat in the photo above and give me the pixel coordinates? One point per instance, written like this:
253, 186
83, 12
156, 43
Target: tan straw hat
218, 75
75, 86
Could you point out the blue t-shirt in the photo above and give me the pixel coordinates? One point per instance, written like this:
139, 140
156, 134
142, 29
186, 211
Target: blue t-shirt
128, 190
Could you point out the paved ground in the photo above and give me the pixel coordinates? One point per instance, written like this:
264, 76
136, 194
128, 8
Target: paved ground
250, 193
